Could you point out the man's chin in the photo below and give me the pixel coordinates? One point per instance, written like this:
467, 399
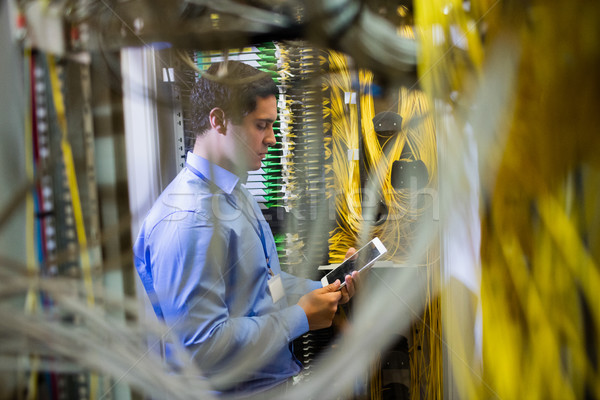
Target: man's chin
254, 167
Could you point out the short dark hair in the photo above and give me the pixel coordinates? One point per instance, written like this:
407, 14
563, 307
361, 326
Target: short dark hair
235, 93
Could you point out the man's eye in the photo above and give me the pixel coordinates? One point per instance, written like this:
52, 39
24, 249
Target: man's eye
262, 126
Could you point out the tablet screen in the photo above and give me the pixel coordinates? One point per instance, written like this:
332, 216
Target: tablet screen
363, 258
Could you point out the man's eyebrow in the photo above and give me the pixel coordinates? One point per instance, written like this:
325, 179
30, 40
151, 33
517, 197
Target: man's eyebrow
266, 120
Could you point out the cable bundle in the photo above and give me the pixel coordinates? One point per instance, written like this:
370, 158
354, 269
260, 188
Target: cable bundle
61, 212
345, 148
355, 140
517, 83
305, 176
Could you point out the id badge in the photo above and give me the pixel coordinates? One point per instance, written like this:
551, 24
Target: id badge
276, 288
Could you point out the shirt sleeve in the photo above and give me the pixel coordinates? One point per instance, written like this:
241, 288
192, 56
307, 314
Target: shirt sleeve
296, 287
195, 282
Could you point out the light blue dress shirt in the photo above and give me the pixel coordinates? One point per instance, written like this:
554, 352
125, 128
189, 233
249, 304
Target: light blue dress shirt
200, 257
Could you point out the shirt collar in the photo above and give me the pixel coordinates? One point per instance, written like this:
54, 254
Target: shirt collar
222, 178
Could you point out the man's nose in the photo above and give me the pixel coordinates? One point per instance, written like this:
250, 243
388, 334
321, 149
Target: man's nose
269, 139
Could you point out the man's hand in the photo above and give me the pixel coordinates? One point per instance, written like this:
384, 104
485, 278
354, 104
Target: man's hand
320, 305
349, 290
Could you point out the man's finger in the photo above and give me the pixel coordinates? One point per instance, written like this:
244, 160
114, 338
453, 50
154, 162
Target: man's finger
332, 287
351, 251
345, 296
350, 284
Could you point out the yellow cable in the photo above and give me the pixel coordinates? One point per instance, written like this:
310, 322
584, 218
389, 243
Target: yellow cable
345, 138
75, 199
71, 179
540, 257
426, 373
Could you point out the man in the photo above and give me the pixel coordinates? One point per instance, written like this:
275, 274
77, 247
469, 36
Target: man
207, 257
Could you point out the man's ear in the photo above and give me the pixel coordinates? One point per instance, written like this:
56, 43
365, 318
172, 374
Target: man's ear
218, 120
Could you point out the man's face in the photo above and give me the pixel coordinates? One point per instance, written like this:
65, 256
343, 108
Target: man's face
253, 136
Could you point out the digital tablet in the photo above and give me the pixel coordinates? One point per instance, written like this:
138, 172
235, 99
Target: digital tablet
364, 258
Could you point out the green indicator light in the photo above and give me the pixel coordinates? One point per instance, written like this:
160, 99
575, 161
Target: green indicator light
272, 198
272, 184
272, 170
269, 65
273, 205
272, 156
267, 57
272, 163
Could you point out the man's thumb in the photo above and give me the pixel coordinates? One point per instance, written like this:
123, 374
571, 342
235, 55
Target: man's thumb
332, 287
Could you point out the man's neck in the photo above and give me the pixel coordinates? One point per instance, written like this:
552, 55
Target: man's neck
206, 146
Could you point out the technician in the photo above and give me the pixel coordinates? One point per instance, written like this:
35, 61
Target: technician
207, 257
